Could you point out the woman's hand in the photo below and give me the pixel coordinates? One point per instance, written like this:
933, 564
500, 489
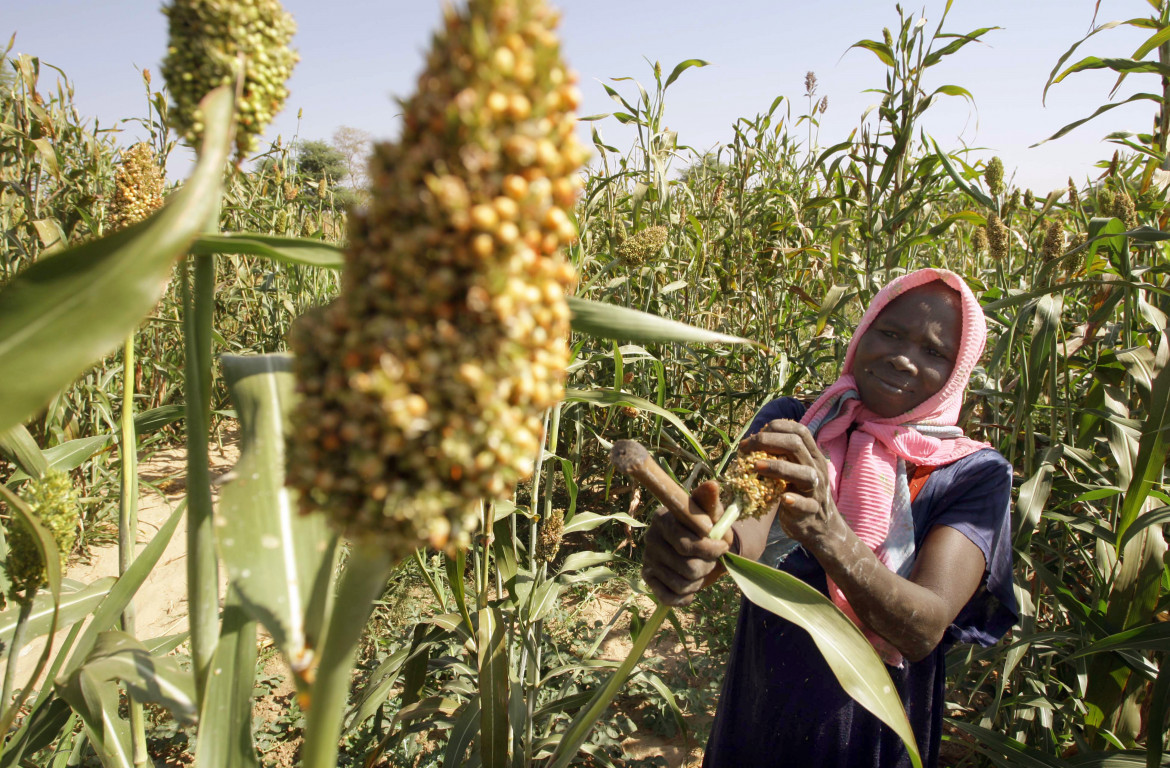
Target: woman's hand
679, 562
807, 514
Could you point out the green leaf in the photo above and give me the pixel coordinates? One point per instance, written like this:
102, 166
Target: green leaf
1150, 637
587, 521
75, 605
73, 453
1152, 453
122, 592
609, 321
157, 418
272, 554
18, 445
681, 67
117, 656
853, 660
881, 50
1100, 111
225, 720
67, 310
975, 194
463, 732
492, 640
290, 250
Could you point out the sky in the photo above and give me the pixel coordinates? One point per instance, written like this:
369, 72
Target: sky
357, 56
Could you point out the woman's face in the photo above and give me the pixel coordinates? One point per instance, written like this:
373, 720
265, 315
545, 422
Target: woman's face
909, 351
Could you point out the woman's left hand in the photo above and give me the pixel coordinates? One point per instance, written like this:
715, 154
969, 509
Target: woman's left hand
799, 461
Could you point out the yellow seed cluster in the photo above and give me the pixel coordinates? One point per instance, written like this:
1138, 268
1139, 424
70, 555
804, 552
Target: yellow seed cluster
551, 533
1075, 262
642, 246
756, 494
979, 239
993, 176
1124, 209
1053, 246
997, 237
210, 41
424, 383
138, 186
55, 503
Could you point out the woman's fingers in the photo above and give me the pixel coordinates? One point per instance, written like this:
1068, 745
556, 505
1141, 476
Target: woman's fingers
805, 479
676, 561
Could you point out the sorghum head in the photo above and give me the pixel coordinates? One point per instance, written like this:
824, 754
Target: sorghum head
138, 186
997, 237
55, 503
1053, 246
993, 175
642, 246
756, 494
548, 543
1124, 209
424, 383
216, 42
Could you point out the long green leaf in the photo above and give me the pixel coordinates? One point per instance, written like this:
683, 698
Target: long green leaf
853, 660
225, 720
272, 554
18, 445
1152, 453
122, 592
67, 310
493, 689
681, 67
290, 250
609, 321
117, 656
75, 606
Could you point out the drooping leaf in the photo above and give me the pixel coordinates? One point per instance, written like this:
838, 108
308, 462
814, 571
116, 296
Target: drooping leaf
19, 446
609, 321
853, 660
75, 605
290, 250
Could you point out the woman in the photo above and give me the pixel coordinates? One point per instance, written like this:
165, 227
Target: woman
899, 518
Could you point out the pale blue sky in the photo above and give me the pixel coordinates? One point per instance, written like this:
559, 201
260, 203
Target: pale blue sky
357, 54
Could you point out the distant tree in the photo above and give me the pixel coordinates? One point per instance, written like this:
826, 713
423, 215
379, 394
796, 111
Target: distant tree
319, 159
354, 144
709, 166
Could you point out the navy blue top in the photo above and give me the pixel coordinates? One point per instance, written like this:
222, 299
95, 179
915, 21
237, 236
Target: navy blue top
781, 704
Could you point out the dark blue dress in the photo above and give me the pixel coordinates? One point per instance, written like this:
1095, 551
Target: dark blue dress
781, 705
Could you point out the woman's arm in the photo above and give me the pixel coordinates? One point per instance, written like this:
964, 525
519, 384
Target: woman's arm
913, 613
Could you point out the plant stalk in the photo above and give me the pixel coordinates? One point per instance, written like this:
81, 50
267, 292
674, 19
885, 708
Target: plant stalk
128, 532
202, 567
365, 576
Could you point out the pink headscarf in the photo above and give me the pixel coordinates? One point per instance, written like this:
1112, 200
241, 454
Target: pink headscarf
865, 461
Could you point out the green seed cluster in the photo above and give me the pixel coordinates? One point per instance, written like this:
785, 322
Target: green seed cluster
551, 533
993, 175
210, 41
1075, 262
756, 494
54, 501
979, 239
425, 382
640, 248
138, 186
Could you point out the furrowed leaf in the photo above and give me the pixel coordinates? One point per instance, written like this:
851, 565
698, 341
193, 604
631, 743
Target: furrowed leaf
225, 720
272, 554
18, 445
493, 689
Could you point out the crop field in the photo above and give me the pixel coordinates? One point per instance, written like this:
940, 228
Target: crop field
365, 430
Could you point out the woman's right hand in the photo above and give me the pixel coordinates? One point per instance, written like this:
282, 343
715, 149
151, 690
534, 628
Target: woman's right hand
678, 562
